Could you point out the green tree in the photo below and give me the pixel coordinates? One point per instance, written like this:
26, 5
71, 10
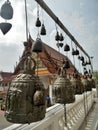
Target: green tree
96, 76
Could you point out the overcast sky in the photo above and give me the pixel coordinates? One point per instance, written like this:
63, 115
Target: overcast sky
80, 17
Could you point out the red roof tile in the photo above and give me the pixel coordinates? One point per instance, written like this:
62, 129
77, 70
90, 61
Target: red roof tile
6, 76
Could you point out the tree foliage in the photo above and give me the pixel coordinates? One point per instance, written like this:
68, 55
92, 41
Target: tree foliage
96, 76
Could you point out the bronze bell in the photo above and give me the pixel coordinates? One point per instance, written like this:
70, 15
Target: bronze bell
59, 44
79, 57
63, 91
38, 22
76, 52
86, 83
82, 58
85, 72
73, 51
57, 37
66, 47
84, 63
37, 46
25, 44
26, 96
43, 30
77, 84
92, 81
66, 63
61, 38
6, 10
5, 27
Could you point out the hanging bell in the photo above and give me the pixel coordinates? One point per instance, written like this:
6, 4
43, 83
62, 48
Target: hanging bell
85, 71
6, 10
25, 101
37, 46
73, 51
84, 63
82, 58
77, 84
66, 64
57, 37
66, 47
63, 91
60, 44
76, 52
79, 57
92, 81
38, 22
25, 44
86, 83
61, 38
43, 30
5, 27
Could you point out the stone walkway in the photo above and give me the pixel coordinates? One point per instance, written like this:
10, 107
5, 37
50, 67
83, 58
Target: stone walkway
91, 121
3, 122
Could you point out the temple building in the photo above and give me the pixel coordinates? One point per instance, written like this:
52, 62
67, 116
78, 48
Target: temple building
5, 80
48, 62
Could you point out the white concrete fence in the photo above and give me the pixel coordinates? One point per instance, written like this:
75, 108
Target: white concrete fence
54, 119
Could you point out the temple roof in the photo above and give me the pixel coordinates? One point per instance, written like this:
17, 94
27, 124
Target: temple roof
51, 58
5, 77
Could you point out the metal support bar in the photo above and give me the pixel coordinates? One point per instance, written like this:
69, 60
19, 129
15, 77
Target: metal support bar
56, 19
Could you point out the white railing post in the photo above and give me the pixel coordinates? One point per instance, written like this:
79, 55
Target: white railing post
50, 93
